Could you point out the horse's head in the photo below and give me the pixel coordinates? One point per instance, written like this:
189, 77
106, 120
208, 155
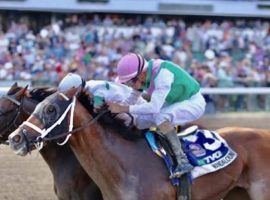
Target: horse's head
11, 109
17, 105
50, 118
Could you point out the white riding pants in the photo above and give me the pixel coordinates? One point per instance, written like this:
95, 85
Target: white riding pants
177, 113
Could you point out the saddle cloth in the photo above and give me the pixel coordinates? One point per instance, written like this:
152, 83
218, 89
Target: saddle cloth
206, 151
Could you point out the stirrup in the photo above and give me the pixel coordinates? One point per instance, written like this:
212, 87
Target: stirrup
187, 131
180, 170
176, 175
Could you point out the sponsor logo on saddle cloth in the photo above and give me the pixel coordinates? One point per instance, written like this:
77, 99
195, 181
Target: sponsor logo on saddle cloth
206, 151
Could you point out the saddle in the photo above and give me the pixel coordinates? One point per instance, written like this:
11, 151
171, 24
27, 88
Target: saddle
205, 149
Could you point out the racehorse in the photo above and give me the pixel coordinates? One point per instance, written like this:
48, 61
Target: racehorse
70, 180
121, 163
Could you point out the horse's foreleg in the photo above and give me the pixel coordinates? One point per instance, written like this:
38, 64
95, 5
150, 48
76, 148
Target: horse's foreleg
259, 190
237, 194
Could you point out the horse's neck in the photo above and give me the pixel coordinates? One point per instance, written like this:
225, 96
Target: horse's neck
103, 158
56, 156
109, 159
104, 149
29, 105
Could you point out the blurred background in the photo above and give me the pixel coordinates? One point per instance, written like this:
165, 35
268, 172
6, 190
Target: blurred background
224, 44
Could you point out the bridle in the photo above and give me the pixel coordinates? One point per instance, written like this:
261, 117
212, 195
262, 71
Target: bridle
39, 141
12, 123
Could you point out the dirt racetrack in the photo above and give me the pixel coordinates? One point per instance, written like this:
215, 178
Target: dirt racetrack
29, 178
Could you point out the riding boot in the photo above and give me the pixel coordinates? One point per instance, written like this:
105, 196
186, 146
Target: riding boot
183, 165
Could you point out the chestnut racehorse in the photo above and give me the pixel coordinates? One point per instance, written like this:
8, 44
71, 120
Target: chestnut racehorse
71, 182
120, 162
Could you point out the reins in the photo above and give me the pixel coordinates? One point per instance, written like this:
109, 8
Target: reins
39, 141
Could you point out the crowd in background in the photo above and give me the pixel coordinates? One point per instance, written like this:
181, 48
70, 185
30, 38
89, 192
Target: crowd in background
226, 53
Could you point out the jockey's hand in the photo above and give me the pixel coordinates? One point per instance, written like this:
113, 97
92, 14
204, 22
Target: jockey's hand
116, 108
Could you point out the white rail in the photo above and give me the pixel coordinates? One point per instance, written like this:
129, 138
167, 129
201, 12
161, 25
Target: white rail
251, 100
3, 90
250, 92
229, 91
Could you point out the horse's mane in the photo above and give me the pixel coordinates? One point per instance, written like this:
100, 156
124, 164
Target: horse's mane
108, 120
37, 93
40, 93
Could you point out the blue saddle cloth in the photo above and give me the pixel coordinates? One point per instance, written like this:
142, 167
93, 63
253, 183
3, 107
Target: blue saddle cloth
205, 149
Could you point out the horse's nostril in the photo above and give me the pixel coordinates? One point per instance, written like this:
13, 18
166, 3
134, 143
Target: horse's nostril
16, 138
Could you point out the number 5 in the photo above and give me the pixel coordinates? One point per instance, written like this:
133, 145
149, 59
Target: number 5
214, 146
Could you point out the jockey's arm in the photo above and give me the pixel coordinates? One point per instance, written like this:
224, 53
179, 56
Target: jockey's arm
133, 98
163, 84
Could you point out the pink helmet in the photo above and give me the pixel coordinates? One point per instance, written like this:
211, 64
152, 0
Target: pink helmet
129, 67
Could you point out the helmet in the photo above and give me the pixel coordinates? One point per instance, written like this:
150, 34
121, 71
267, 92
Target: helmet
69, 81
129, 67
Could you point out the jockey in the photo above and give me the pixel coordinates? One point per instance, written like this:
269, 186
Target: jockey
103, 91
174, 99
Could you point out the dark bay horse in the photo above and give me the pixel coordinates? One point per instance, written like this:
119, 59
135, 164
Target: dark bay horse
71, 182
124, 167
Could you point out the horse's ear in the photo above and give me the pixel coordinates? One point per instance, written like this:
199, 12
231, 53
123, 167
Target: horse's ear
21, 92
13, 88
70, 93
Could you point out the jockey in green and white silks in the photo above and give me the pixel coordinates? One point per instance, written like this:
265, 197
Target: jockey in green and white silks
175, 95
175, 99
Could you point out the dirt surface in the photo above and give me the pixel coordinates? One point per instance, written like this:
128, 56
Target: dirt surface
24, 178
29, 178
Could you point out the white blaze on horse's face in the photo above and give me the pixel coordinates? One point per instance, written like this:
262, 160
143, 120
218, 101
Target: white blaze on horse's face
47, 116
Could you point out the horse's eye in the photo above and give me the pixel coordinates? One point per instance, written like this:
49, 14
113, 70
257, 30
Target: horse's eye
50, 109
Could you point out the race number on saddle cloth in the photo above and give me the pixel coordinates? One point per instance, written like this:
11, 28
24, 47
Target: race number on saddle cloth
206, 151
